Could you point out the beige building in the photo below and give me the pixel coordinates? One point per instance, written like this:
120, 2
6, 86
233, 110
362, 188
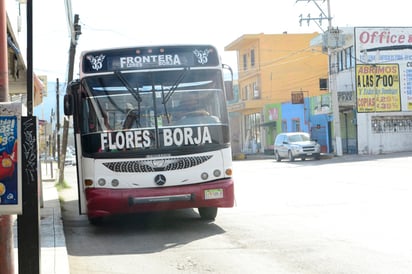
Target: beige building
271, 67
17, 77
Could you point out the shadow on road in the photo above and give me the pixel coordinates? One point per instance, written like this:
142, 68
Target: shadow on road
134, 233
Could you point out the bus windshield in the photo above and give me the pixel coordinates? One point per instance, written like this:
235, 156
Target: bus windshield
164, 109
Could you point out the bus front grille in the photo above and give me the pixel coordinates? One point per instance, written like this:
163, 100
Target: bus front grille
157, 164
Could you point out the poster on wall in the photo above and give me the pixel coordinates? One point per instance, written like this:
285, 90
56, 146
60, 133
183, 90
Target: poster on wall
10, 175
378, 88
321, 104
383, 68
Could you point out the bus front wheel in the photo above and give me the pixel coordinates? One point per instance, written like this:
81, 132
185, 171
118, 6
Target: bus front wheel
97, 221
207, 213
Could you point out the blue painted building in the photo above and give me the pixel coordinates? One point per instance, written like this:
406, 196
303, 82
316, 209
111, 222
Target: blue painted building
313, 116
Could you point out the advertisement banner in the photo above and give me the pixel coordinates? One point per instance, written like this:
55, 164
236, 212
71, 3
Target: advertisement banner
384, 64
10, 175
377, 88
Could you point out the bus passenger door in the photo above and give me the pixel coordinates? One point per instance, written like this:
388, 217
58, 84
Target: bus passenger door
80, 180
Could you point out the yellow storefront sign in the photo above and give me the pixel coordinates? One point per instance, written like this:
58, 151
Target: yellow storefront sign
378, 88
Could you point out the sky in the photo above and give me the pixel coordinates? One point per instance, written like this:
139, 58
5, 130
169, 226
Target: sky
124, 23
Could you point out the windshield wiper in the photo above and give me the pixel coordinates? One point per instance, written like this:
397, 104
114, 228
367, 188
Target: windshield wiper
166, 98
164, 105
134, 93
175, 85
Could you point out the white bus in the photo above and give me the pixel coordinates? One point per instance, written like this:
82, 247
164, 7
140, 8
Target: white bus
151, 131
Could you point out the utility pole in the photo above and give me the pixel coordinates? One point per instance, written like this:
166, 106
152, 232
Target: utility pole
332, 41
28, 223
72, 52
6, 229
50, 146
58, 121
73, 44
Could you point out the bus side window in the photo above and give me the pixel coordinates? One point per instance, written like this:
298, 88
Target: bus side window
92, 120
88, 123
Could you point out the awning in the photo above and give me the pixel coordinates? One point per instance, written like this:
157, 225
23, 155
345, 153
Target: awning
18, 71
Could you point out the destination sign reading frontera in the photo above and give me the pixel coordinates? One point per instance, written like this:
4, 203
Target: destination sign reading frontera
149, 57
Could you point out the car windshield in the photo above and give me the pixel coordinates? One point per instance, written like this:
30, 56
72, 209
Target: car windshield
298, 138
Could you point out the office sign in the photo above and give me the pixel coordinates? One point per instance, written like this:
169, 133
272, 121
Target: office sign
384, 69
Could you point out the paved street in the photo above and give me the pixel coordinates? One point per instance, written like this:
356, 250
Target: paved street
343, 215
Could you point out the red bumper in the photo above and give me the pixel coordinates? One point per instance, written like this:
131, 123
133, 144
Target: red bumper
103, 202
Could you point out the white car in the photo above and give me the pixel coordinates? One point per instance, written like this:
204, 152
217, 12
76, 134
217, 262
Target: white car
292, 145
70, 160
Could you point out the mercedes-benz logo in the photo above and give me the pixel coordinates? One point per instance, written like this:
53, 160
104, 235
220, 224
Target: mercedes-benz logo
160, 179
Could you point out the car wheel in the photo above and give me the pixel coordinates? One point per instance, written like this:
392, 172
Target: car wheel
303, 158
277, 157
207, 213
290, 156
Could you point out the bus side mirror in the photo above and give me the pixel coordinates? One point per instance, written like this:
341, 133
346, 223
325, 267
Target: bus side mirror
229, 84
68, 104
229, 90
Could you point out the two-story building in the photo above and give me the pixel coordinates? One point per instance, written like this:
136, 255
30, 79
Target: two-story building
273, 68
373, 71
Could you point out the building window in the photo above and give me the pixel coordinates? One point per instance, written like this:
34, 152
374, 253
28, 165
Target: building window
323, 83
245, 91
256, 91
252, 58
344, 55
340, 60
391, 124
253, 134
244, 62
296, 124
349, 52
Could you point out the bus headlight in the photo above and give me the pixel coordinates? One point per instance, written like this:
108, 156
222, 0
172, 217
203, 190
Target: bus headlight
217, 173
115, 182
204, 176
101, 182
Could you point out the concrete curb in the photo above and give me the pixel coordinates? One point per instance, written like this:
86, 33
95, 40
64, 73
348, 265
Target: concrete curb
53, 254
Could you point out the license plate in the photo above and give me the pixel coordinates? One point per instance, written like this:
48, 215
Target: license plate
213, 194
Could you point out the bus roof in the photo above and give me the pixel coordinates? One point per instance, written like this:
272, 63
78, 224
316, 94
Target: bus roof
148, 57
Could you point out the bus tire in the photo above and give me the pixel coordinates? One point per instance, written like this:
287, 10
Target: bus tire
96, 221
207, 213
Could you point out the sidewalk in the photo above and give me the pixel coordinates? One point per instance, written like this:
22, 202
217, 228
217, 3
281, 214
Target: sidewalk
261, 156
53, 254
